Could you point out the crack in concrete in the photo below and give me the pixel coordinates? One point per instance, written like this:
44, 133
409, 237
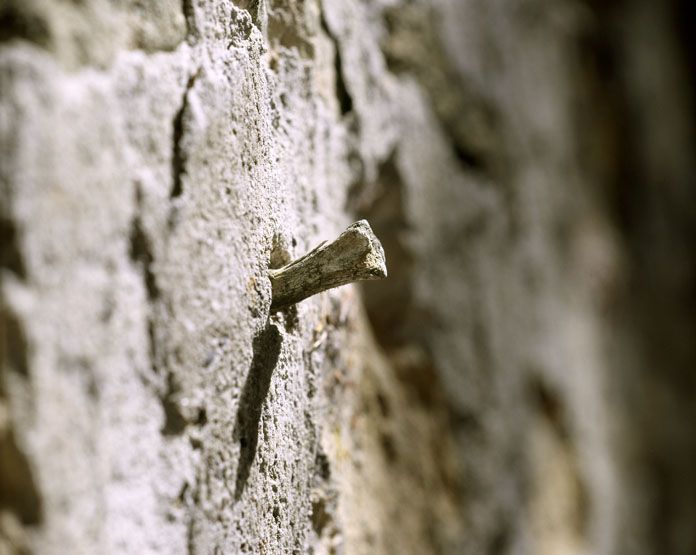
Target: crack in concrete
178, 168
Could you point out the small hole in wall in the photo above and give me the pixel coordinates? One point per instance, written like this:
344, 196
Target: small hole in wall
323, 467
468, 157
202, 417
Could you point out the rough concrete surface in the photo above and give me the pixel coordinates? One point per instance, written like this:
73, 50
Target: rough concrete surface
159, 157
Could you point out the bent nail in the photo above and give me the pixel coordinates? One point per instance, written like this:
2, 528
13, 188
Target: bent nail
356, 255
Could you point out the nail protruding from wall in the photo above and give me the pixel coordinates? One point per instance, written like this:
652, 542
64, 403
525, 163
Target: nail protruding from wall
355, 255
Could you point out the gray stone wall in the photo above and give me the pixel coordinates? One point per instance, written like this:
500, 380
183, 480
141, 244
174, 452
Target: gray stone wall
521, 383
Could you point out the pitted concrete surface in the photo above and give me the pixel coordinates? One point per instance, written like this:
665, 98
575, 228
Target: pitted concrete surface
158, 158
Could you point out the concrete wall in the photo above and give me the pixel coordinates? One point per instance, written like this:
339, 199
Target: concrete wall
504, 391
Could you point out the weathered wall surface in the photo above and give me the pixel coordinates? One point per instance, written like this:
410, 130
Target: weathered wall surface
522, 382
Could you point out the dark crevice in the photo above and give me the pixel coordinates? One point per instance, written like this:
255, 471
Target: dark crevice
178, 155
19, 20
18, 491
468, 157
141, 250
142, 253
344, 98
10, 252
152, 342
201, 417
189, 16
266, 350
476, 146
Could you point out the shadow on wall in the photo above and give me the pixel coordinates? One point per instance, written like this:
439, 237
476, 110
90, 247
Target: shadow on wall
266, 347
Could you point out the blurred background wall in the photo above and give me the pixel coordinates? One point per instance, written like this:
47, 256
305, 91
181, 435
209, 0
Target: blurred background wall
524, 382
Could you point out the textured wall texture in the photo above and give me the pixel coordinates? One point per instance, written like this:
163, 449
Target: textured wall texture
521, 383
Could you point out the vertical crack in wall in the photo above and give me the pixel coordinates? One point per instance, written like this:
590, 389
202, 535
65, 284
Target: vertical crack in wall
141, 253
178, 169
189, 12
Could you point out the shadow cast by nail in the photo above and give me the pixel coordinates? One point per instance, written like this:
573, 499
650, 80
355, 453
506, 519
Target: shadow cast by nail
266, 349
